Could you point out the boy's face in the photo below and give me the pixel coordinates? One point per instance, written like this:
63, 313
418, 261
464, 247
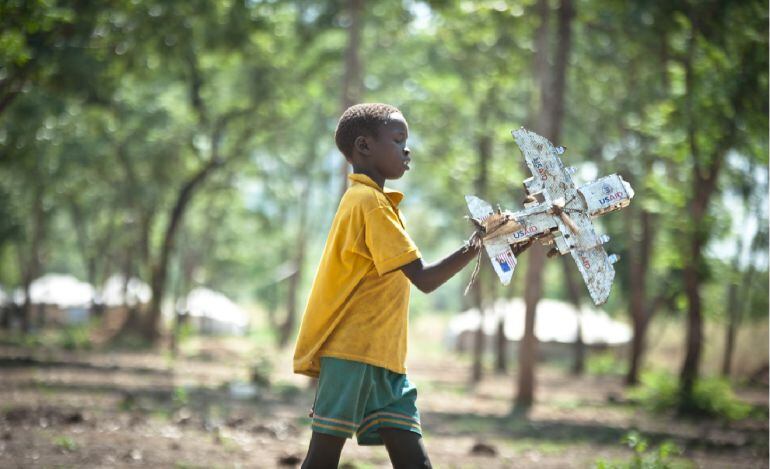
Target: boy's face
389, 153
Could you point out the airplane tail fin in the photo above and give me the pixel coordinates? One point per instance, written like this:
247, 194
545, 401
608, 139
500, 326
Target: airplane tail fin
500, 253
503, 260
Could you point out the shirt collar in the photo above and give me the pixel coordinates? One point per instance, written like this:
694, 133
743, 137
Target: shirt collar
393, 195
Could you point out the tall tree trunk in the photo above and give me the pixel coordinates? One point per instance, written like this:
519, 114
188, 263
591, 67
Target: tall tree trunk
638, 263
574, 294
484, 153
732, 325
501, 347
477, 368
549, 125
151, 329
289, 323
738, 299
30, 264
352, 79
705, 176
525, 395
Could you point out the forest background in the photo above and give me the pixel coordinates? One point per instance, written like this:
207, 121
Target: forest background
190, 143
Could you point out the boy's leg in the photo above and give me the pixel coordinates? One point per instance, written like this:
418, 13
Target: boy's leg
405, 448
324, 451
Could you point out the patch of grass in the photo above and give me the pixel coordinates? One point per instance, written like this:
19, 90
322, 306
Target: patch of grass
45, 389
646, 457
431, 386
712, 397
541, 446
65, 443
473, 424
356, 465
22, 340
568, 405
180, 397
75, 338
161, 414
128, 342
229, 444
605, 364
287, 391
188, 465
261, 369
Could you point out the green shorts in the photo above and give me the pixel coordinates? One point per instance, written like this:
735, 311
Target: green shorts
356, 398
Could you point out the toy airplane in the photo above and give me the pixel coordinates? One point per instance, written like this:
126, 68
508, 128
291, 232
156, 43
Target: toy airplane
556, 212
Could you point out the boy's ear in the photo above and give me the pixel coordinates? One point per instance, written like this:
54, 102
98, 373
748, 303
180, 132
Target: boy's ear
361, 144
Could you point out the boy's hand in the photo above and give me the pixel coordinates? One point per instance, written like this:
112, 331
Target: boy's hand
519, 248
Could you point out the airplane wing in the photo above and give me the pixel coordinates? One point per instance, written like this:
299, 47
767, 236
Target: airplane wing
479, 209
498, 250
596, 268
548, 172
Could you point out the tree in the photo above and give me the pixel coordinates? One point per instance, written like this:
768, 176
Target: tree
711, 134
549, 122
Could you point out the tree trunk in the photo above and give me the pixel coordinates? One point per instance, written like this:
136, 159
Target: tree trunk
738, 298
568, 265
287, 328
528, 347
689, 372
151, 327
501, 348
704, 183
638, 263
484, 153
732, 325
549, 125
25, 312
352, 79
478, 336
5, 315
30, 265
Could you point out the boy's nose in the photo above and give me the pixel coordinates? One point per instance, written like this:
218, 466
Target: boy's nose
407, 151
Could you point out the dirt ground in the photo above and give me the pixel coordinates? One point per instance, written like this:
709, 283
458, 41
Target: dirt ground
141, 409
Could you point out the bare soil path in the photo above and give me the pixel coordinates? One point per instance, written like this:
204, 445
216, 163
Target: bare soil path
129, 409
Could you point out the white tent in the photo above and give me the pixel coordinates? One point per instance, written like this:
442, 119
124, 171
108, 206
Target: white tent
137, 292
216, 313
556, 321
68, 295
64, 291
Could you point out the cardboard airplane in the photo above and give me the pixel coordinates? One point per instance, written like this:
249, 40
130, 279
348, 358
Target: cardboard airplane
557, 212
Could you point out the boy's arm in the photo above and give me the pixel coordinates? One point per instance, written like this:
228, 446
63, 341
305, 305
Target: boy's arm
429, 277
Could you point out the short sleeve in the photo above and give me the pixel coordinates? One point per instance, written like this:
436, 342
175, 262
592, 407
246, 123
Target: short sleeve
388, 242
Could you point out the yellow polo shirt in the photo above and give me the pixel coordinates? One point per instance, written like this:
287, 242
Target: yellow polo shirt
358, 305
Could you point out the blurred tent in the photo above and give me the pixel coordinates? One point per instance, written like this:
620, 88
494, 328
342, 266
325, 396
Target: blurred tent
59, 298
556, 326
211, 312
117, 292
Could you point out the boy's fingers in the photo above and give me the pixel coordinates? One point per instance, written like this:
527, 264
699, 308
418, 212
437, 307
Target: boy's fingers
552, 252
521, 247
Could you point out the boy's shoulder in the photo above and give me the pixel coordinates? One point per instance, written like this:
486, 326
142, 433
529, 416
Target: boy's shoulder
363, 197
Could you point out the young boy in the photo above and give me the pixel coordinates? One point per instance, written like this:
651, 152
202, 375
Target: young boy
354, 331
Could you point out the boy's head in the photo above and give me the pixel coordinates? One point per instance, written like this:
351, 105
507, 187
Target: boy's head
372, 136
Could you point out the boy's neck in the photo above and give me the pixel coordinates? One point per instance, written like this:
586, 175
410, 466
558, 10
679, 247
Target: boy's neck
377, 178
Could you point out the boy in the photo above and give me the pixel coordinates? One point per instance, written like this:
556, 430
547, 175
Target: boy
354, 330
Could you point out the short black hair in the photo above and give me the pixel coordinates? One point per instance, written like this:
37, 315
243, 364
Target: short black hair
360, 119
